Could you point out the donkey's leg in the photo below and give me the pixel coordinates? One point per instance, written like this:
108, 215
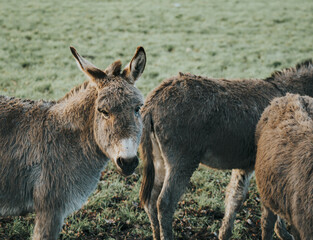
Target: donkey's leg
235, 196
268, 220
152, 211
48, 225
151, 207
176, 180
298, 235
281, 231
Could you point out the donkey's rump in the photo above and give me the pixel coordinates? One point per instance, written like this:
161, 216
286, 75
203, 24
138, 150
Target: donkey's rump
21, 124
284, 164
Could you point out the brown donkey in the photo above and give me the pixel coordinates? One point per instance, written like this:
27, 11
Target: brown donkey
190, 120
284, 165
52, 153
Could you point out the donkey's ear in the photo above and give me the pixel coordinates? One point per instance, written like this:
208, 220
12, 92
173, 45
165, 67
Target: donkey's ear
136, 66
89, 69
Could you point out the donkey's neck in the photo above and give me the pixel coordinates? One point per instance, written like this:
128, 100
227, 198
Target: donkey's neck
298, 79
287, 84
73, 115
76, 109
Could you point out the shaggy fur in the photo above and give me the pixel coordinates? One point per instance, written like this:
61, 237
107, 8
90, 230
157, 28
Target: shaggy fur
190, 120
284, 164
52, 153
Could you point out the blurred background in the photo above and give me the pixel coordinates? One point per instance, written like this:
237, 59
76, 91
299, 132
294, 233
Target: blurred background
219, 39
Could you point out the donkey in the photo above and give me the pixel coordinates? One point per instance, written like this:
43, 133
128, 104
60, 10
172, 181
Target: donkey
52, 153
284, 165
190, 120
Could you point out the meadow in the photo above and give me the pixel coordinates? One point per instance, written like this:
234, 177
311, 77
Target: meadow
220, 39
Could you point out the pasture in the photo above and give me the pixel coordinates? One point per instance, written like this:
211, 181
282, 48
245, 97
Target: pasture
227, 39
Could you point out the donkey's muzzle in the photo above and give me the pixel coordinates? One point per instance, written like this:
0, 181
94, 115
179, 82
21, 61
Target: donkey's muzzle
128, 165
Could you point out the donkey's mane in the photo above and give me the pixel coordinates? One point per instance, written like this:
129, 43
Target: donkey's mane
305, 65
115, 68
74, 91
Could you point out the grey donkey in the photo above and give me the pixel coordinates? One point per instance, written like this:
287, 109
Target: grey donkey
284, 166
190, 120
52, 153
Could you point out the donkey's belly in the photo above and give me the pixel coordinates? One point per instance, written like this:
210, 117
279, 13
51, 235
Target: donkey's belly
16, 192
15, 207
212, 160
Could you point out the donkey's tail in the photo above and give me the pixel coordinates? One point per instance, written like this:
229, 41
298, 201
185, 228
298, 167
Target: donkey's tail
145, 150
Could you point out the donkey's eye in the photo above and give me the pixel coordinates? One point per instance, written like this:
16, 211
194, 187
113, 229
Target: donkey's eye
137, 110
104, 113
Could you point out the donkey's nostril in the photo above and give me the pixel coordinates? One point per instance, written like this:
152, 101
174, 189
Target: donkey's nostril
128, 165
135, 162
119, 162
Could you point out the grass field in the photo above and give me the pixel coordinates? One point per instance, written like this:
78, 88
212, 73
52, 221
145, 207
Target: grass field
226, 38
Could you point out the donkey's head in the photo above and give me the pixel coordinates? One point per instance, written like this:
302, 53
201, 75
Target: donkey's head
117, 120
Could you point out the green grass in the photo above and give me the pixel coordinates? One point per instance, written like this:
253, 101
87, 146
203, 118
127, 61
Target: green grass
227, 38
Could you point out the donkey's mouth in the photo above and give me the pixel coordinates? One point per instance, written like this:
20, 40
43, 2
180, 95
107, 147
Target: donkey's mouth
127, 166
